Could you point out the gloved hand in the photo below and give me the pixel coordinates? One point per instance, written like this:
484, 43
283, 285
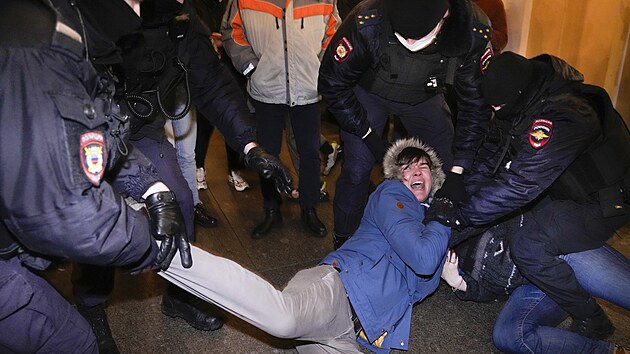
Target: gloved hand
450, 272
168, 226
269, 166
377, 145
440, 210
453, 188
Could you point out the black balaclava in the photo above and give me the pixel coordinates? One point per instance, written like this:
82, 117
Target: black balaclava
506, 82
415, 18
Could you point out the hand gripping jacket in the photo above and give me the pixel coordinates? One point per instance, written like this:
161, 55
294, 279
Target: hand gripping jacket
60, 133
365, 52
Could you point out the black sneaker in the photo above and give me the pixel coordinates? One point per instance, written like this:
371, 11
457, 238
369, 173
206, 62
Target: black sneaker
597, 326
97, 318
196, 312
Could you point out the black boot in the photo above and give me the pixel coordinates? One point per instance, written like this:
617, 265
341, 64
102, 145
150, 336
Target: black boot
272, 218
598, 326
312, 222
203, 218
198, 313
97, 318
339, 239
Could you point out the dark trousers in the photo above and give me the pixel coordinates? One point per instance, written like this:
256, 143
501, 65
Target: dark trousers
430, 121
305, 121
204, 131
164, 157
35, 318
552, 228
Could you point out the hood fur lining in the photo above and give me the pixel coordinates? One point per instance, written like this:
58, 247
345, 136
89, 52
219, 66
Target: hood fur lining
391, 171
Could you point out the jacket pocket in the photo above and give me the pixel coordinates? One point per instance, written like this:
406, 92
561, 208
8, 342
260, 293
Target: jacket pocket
15, 293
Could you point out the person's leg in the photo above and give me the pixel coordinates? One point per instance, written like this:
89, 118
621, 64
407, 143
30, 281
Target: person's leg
269, 125
185, 137
163, 156
604, 273
35, 318
291, 145
353, 184
430, 121
204, 131
91, 286
305, 122
312, 307
553, 228
527, 324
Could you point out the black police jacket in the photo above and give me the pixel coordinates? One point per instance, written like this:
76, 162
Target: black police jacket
359, 46
564, 129
60, 136
213, 89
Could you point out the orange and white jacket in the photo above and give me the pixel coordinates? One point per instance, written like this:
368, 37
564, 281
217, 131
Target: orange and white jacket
279, 45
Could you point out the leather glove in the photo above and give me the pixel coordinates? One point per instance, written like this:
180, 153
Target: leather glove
269, 166
440, 210
378, 147
450, 272
168, 226
453, 188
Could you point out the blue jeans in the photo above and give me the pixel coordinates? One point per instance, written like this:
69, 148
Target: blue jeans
184, 133
527, 323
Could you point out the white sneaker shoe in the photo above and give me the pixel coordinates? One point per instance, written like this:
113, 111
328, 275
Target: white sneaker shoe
236, 180
331, 158
201, 179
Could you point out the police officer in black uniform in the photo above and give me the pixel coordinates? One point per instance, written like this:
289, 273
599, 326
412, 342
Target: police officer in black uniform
395, 57
559, 150
62, 136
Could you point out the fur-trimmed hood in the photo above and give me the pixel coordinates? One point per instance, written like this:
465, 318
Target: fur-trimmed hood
392, 171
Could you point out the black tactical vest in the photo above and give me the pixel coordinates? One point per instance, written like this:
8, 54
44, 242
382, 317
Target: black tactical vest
405, 76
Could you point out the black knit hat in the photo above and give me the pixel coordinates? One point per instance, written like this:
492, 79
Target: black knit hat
415, 18
506, 78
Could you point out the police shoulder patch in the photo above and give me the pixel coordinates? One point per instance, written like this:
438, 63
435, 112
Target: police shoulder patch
93, 156
484, 60
343, 50
540, 132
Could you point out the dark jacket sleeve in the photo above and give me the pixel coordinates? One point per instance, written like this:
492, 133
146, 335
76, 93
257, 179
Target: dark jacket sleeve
46, 198
339, 73
215, 91
533, 170
475, 292
473, 114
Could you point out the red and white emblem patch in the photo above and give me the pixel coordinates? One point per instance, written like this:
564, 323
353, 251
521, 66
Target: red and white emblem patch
540, 132
343, 50
485, 60
93, 156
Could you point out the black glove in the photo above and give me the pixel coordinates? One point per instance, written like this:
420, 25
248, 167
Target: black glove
168, 226
453, 188
377, 146
443, 211
269, 166
440, 210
